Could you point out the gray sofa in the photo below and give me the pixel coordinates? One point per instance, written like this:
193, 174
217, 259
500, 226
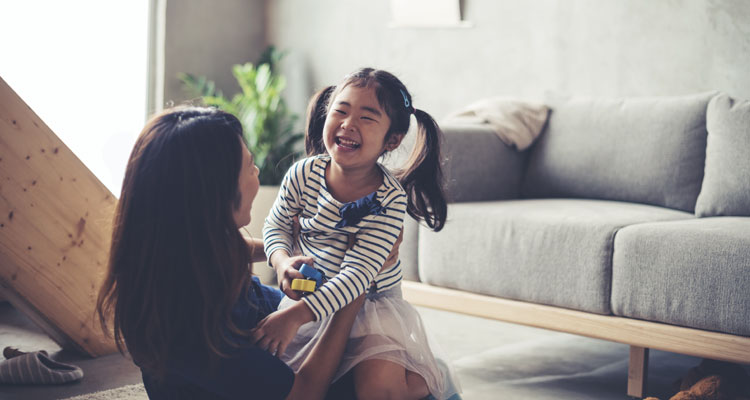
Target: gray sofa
627, 220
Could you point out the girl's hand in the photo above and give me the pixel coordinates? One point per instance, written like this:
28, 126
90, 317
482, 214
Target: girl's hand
287, 269
277, 330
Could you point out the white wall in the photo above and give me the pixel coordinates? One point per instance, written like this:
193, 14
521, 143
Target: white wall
81, 66
207, 38
525, 48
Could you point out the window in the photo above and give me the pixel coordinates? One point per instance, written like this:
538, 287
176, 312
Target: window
81, 65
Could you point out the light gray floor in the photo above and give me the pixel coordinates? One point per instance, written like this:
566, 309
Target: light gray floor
497, 360
494, 360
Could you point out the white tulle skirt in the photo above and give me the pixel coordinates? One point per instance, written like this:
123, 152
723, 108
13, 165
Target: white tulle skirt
386, 328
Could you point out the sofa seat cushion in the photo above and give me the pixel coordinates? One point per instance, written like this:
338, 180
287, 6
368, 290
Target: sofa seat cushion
641, 150
548, 251
693, 273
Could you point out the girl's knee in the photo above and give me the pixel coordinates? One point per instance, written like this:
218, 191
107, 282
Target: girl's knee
416, 385
378, 379
372, 387
377, 391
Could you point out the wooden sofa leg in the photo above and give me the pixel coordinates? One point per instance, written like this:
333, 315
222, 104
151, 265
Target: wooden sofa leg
637, 371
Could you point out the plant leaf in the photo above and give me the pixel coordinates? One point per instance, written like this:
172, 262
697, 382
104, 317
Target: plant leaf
268, 126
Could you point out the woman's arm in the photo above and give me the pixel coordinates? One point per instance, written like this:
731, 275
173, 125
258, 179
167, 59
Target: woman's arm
275, 331
315, 374
255, 249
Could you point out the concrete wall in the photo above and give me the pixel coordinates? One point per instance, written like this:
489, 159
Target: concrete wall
524, 48
208, 37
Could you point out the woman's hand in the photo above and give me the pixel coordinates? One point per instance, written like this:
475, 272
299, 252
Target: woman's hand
275, 331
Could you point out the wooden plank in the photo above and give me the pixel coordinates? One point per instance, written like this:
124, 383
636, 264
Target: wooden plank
22, 305
694, 342
55, 219
637, 371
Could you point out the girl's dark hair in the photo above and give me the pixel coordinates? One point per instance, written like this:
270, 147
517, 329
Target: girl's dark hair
421, 177
177, 261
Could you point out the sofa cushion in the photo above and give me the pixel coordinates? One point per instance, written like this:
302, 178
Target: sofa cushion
516, 122
726, 185
643, 150
548, 251
693, 273
480, 166
407, 252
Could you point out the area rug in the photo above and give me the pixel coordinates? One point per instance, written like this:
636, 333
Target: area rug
130, 392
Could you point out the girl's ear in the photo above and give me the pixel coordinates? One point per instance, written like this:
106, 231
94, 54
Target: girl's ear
394, 141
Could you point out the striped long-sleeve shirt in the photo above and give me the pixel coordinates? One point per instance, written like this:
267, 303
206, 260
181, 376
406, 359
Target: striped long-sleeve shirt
349, 272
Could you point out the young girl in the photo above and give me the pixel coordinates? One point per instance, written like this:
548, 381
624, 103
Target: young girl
340, 191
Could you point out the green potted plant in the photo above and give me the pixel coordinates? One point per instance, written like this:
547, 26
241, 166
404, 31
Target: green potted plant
267, 122
268, 127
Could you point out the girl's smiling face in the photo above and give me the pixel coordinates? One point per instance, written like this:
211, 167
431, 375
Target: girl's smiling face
355, 129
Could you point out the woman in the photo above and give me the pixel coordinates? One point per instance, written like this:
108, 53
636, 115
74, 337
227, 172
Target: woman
178, 289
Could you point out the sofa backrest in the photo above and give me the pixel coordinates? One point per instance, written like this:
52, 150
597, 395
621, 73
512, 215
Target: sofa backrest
643, 150
480, 167
726, 184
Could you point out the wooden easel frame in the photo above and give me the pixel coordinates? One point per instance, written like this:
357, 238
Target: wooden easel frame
55, 219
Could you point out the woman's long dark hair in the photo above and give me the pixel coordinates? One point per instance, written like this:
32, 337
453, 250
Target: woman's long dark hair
422, 176
177, 261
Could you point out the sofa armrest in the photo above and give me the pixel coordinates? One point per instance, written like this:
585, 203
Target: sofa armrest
479, 166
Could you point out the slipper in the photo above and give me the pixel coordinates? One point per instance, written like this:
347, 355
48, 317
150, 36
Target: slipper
37, 368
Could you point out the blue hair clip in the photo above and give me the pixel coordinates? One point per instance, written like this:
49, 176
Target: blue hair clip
406, 99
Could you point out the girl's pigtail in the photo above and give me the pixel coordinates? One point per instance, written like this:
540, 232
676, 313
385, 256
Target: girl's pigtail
316, 118
422, 177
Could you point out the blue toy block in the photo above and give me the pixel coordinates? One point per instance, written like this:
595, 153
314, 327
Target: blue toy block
311, 273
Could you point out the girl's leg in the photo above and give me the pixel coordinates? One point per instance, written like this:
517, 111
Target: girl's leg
417, 385
380, 379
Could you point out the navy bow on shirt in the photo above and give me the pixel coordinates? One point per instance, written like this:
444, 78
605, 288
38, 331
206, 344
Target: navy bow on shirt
353, 212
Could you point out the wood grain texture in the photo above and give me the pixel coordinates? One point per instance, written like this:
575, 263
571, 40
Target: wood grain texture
637, 371
55, 224
645, 334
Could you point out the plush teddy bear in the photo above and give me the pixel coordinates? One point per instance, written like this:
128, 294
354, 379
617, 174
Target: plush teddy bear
713, 380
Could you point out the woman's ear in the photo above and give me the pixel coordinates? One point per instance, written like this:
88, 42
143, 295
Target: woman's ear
394, 141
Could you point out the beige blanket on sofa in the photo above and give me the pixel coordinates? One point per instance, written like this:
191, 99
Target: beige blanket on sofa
517, 123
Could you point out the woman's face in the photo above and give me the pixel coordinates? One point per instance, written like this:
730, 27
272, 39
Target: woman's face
247, 186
